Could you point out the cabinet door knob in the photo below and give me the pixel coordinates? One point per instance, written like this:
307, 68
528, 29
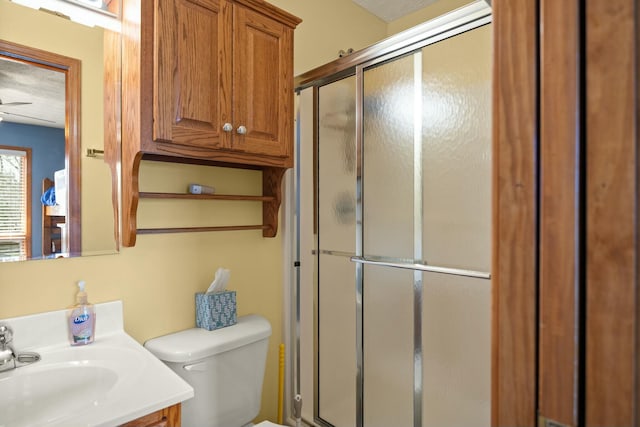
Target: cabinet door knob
227, 127
242, 130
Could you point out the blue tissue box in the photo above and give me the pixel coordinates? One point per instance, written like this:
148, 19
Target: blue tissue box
215, 311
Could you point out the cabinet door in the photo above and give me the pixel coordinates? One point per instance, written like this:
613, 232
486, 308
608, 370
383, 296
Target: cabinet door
192, 60
262, 84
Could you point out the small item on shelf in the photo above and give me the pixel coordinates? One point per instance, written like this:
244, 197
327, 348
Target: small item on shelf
201, 189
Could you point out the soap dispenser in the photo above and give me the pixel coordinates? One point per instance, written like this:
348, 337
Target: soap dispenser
82, 319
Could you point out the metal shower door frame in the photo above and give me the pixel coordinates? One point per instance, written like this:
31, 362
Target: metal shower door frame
409, 42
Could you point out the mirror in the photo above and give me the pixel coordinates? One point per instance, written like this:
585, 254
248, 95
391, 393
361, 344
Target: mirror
59, 100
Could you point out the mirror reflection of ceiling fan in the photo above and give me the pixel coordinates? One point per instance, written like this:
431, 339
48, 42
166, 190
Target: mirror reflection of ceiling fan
13, 104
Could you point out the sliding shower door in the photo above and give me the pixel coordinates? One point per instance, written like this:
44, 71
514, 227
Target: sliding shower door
403, 192
336, 299
456, 230
390, 105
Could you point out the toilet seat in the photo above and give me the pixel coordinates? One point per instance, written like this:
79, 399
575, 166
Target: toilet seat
268, 424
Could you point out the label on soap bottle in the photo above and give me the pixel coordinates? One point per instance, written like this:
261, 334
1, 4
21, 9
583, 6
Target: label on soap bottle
81, 326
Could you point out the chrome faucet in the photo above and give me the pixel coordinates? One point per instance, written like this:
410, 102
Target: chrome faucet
9, 359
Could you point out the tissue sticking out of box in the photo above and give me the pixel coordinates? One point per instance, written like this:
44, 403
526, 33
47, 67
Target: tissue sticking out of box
220, 281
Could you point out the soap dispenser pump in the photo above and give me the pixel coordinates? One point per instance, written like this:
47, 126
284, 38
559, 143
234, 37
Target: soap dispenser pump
82, 319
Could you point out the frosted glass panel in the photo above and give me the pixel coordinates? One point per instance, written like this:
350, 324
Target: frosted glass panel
337, 166
336, 340
388, 159
426, 195
388, 347
456, 151
456, 341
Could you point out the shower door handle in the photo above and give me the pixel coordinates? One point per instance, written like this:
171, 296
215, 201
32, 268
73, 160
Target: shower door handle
422, 267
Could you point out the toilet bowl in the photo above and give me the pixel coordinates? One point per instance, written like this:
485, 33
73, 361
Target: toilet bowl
225, 367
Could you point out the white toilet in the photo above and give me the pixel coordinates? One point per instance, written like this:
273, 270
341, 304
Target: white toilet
225, 367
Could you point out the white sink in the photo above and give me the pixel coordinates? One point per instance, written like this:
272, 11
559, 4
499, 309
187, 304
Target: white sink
107, 383
39, 397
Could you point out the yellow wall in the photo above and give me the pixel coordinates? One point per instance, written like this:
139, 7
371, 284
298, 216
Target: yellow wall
327, 27
158, 277
331, 25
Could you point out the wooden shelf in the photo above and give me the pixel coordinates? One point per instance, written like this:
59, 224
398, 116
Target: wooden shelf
199, 229
271, 198
151, 195
188, 196
56, 210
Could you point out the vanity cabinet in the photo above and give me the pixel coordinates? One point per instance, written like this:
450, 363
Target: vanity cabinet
167, 417
206, 82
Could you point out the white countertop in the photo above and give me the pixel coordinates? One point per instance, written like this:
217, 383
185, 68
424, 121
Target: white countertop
107, 383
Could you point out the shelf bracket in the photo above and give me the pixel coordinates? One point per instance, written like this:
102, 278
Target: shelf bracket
271, 186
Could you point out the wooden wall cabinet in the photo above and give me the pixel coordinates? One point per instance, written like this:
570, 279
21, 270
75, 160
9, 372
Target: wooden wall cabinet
207, 82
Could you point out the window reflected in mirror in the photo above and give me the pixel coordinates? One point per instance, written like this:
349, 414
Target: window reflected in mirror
15, 204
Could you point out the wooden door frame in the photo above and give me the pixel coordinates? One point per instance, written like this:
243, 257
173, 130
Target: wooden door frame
561, 198
537, 106
514, 266
611, 395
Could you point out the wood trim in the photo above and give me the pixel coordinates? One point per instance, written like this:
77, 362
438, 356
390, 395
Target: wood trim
133, 107
173, 415
271, 187
514, 214
237, 159
130, 197
612, 212
272, 11
73, 150
166, 417
29, 236
560, 206
112, 120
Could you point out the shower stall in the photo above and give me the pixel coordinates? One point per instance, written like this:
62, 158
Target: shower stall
393, 291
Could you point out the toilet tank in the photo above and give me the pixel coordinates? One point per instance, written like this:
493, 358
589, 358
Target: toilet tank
225, 367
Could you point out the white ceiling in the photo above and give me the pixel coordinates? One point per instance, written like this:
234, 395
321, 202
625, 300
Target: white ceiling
389, 10
43, 88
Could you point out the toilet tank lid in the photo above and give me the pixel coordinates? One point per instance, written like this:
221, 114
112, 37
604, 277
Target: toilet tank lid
196, 343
